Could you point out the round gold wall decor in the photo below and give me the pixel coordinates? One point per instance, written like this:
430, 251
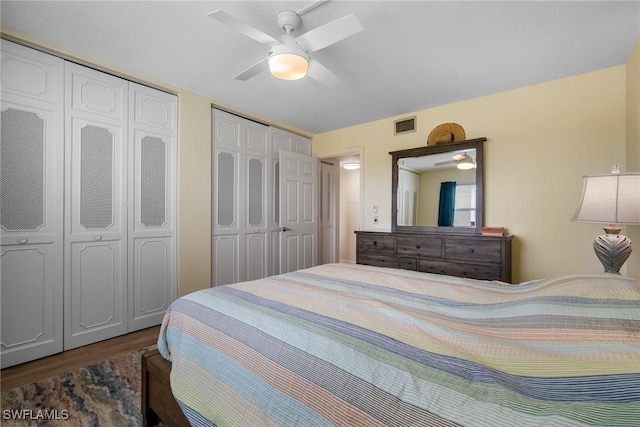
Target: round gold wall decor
446, 132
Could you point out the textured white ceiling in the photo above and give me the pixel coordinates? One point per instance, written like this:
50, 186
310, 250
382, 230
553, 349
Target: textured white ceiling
412, 55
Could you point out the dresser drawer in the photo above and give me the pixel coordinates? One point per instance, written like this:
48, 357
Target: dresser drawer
381, 244
408, 263
473, 250
482, 272
378, 260
427, 247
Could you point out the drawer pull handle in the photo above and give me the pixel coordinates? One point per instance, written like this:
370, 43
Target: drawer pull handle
375, 243
471, 251
23, 241
417, 246
97, 238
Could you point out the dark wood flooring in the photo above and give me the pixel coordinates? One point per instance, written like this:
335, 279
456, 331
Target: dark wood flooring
77, 358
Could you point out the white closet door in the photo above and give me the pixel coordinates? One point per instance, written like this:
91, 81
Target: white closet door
274, 214
226, 176
95, 246
240, 243
278, 140
31, 195
151, 213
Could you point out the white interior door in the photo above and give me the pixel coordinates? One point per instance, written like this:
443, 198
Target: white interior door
329, 191
298, 211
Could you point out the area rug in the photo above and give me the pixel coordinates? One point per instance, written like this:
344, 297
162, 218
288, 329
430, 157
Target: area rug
105, 394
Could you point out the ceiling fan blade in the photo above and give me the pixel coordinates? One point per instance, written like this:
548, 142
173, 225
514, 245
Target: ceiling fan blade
245, 29
255, 69
448, 162
330, 33
319, 72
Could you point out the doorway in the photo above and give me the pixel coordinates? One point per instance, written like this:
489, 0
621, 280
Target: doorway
341, 205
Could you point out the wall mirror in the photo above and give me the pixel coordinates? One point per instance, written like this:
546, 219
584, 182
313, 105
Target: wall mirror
438, 188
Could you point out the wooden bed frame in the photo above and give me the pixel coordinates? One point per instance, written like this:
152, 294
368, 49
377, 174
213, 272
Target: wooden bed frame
158, 402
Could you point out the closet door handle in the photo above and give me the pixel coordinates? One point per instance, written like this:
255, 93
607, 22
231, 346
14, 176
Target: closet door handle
97, 238
285, 229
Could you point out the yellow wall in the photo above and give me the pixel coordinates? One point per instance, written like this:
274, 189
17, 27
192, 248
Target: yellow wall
541, 140
633, 146
194, 193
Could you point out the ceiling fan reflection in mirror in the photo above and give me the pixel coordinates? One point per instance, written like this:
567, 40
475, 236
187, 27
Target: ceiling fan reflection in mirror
289, 56
462, 161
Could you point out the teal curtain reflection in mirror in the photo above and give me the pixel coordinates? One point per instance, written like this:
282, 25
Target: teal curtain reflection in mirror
446, 210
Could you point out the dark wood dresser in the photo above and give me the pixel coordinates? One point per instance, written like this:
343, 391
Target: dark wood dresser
468, 255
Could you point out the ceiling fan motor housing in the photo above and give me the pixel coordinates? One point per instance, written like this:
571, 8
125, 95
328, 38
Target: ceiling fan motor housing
288, 20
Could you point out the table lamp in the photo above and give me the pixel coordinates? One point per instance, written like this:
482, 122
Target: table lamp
611, 199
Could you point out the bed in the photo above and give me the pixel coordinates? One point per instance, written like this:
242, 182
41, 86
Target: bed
356, 345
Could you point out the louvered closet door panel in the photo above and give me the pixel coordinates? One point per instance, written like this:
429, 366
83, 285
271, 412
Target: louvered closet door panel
225, 243
95, 245
152, 258
227, 205
255, 251
31, 195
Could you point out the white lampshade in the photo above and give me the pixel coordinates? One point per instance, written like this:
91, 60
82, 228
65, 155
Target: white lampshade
612, 198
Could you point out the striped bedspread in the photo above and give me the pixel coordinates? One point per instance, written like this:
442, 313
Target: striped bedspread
354, 345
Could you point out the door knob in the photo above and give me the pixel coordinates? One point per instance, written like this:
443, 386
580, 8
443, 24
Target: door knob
285, 229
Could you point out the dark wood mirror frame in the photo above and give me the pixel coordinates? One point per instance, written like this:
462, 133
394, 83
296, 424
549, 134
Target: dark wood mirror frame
469, 144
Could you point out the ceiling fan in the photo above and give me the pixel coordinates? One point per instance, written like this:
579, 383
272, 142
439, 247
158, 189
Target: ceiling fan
462, 161
289, 56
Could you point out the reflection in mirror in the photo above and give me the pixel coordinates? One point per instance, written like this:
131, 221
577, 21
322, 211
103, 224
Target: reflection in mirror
433, 190
438, 188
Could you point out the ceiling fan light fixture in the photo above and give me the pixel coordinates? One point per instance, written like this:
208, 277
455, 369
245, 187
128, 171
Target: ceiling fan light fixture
351, 166
288, 66
466, 164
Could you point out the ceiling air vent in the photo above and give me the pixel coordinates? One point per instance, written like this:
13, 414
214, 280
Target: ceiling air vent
405, 125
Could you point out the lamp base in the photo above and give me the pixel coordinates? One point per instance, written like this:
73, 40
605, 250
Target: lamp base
612, 250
